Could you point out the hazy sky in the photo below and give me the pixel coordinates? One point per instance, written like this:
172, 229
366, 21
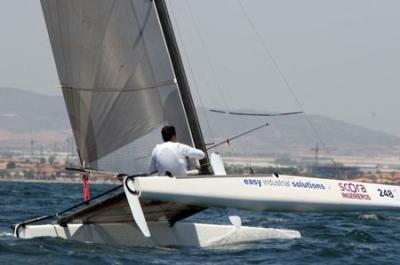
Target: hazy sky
341, 57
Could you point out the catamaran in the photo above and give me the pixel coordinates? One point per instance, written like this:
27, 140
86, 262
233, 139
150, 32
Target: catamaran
123, 78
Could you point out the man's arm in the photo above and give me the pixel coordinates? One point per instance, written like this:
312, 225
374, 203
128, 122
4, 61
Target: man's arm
191, 152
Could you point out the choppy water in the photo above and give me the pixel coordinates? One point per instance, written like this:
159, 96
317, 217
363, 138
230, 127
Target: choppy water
334, 238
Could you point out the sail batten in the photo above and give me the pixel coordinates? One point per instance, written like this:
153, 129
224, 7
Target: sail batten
126, 89
116, 76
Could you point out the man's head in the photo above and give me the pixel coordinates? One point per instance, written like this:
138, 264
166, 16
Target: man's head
168, 133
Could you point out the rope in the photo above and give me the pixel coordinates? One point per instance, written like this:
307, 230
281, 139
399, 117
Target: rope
237, 136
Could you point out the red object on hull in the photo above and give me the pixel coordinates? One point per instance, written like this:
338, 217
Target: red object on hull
86, 186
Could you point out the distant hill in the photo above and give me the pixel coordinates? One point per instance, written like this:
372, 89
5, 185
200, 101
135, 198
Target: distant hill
295, 135
23, 112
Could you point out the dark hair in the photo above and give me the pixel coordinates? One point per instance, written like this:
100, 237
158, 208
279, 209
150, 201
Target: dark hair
168, 132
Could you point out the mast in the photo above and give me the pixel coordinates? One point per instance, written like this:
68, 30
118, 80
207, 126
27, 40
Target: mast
183, 83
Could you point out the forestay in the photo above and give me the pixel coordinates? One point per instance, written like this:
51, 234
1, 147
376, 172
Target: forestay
116, 77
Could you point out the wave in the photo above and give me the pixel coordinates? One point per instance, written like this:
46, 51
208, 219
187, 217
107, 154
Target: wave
375, 217
361, 236
369, 217
6, 234
244, 235
276, 219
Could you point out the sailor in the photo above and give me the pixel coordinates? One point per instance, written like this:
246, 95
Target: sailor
170, 157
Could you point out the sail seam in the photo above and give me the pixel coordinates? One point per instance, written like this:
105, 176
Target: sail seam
126, 89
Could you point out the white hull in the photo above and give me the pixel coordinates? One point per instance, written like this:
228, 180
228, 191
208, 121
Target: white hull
261, 193
180, 235
269, 193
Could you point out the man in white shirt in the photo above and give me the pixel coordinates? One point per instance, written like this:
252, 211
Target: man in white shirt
171, 156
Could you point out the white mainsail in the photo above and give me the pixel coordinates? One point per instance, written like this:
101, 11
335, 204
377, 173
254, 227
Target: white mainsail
116, 76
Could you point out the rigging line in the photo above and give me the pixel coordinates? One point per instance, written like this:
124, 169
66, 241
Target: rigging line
196, 88
285, 80
208, 57
257, 114
212, 67
227, 141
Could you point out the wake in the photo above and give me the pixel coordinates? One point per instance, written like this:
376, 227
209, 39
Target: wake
6, 234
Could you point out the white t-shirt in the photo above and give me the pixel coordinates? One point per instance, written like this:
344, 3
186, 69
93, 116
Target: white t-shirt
170, 156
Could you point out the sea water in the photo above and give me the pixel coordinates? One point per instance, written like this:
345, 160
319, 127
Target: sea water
327, 238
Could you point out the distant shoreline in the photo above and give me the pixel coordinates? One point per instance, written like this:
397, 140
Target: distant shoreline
57, 181
116, 182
